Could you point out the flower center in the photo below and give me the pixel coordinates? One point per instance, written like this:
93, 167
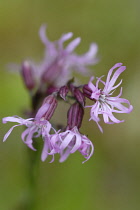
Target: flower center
102, 98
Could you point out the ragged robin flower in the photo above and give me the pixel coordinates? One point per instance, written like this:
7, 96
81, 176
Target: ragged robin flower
36, 127
71, 140
105, 103
59, 62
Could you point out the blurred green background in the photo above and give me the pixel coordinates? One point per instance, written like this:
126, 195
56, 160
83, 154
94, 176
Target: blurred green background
111, 178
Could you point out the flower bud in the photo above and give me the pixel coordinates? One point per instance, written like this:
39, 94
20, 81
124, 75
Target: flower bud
79, 96
48, 107
27, 75
87, 91
75, 116
51, 89
63, 92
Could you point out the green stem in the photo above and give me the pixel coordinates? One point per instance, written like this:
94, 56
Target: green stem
29, 198
32, 175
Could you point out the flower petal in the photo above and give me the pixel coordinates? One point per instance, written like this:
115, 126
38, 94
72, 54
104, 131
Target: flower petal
51, 50
72, 45
9, 132
64, 38
109, 84
67, 139
64, 155
45, 150
111, 70
13, 119
92, 52
77, 144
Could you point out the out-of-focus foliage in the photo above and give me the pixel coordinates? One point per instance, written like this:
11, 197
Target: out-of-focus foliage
110, 179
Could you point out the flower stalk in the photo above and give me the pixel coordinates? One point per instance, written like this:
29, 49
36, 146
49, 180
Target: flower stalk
51, 81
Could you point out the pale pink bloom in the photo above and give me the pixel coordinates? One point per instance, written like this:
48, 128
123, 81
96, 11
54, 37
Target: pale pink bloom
105, 103
59, 62
68, 142
36, 127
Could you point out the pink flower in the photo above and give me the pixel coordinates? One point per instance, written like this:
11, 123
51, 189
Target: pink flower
36, 127
59, 62
69, 142
105, 103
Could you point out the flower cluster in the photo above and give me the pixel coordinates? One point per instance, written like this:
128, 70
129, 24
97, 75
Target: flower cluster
50, 81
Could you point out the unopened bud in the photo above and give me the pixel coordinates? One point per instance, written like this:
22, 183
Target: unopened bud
47, 109
27, 75
63, 92
51, 89
75, 116
87, 91
78, 94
